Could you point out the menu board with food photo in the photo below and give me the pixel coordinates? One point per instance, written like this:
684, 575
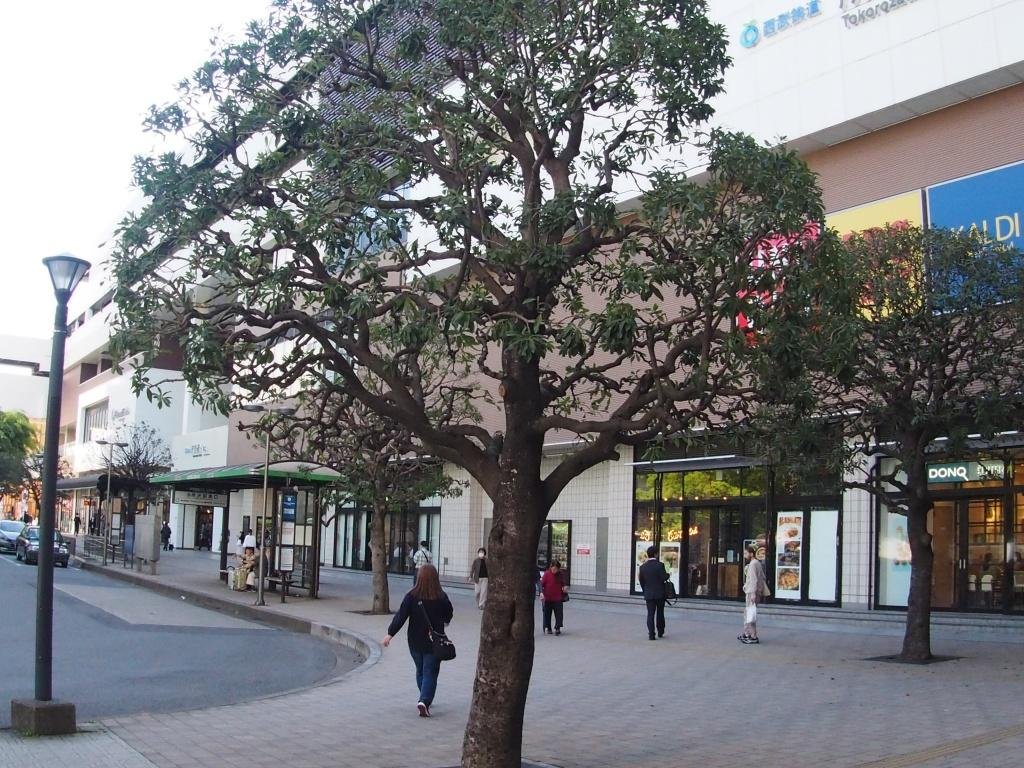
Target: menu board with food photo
788, 554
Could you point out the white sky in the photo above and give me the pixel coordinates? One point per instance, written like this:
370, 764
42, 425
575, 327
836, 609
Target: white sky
78, 79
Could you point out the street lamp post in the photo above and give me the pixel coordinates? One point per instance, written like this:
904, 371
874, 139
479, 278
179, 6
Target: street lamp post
42, 715
284, 411
110, 502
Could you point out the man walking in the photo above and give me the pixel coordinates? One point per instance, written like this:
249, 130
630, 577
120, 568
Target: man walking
165, 535
421, 557
652, 581
78, 524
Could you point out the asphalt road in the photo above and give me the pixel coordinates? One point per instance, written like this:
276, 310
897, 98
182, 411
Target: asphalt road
120, 649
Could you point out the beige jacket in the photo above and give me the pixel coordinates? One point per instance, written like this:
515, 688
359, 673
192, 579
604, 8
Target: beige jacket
755, 583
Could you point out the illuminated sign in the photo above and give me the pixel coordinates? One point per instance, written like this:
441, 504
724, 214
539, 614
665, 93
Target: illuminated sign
965, 471
753, 30
990, 203
858, 12
899, 208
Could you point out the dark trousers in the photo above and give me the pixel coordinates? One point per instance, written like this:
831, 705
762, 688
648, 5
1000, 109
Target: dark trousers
656, 616
555, 607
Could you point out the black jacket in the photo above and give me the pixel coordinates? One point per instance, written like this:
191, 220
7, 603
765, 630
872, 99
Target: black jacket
439, 611
652, 579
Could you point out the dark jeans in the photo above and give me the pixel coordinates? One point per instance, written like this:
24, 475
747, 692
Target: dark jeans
656, 616
550, 607
428, 666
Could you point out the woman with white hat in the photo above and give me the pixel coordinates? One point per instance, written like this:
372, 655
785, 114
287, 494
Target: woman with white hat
244, 571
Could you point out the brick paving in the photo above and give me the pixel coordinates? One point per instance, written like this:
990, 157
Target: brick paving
603, 696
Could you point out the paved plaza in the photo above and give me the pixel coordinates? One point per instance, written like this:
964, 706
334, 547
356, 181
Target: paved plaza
602, 695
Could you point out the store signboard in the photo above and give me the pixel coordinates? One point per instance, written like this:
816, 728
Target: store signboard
991, 203
789, 533
906, 207
965, 471
199, 498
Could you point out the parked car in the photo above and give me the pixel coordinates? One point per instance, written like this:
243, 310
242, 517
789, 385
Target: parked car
9, 530
28, 546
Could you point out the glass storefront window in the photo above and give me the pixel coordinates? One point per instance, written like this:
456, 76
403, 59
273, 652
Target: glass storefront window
645, 486
755, 481
712, 484
893, 559
672, 486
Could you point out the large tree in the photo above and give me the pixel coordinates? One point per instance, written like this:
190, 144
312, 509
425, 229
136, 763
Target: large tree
925, 362
344, 151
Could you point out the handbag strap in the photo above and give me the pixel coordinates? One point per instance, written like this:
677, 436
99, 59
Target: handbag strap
426, 615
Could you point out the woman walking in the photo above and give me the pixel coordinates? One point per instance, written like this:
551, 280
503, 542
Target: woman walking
552, 594
478, 575
426, 607
755, 588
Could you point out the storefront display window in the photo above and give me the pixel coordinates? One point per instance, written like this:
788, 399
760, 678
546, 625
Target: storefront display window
713, 484
822, 574
893, 559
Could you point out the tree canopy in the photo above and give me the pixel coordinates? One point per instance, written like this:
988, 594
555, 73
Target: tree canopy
925, 362
504, 180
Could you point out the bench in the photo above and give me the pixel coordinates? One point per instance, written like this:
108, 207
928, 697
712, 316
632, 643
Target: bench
285, 581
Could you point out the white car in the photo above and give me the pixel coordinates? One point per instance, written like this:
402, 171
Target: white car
9, 530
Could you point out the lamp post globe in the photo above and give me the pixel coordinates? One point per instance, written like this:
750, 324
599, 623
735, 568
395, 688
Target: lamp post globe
42, 715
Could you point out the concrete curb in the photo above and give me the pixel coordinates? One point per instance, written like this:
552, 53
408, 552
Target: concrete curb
346, 638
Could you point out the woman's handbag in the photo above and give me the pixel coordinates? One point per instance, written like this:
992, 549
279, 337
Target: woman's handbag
440, 645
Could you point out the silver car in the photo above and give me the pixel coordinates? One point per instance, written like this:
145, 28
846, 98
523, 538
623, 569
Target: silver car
9, 530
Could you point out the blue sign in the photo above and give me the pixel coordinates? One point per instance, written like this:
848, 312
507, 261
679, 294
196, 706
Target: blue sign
992, 203
289, 503
753, 31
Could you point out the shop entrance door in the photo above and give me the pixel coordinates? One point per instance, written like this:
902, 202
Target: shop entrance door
204, 528
555, 543
969, 569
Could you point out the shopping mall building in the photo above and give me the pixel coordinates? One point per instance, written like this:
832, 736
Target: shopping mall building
908, 110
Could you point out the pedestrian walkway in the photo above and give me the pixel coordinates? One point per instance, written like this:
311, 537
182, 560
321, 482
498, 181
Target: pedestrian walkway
602, 695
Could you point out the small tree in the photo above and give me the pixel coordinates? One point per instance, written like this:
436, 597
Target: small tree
377, 462
495, 137
144, 455
930, 347
17, 443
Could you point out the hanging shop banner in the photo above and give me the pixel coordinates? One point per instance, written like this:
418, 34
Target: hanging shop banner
898, 209
789, 534
991, 203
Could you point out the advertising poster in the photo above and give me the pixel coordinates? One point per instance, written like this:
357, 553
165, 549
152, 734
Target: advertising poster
669, 557
789, 555
893, 560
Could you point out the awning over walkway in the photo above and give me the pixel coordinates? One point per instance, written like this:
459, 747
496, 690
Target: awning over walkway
699, 462
249, 476
97, 480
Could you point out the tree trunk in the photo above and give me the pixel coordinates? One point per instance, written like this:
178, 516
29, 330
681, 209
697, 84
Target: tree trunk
494, 733
917, 644
379, 558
